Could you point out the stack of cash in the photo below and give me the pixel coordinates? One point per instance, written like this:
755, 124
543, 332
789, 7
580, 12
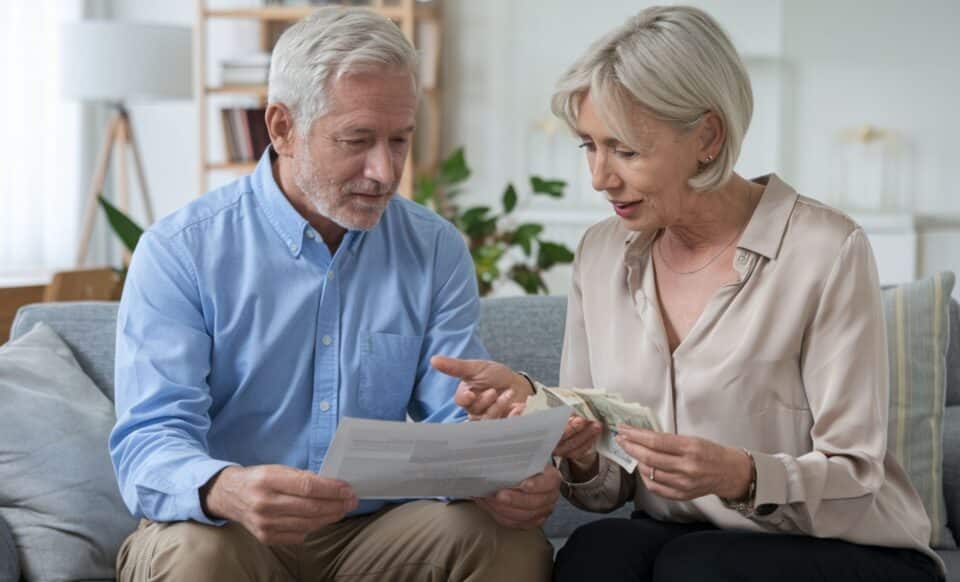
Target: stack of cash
609, 409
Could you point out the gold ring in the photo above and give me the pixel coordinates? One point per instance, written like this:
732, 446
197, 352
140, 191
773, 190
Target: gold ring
653, 474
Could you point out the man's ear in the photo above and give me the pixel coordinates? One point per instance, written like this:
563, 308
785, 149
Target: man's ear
282, 129
712, 133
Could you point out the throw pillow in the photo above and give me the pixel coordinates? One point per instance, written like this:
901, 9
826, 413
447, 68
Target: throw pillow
917, 318
57, 486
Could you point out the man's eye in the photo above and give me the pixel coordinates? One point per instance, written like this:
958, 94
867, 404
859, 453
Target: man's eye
625, 154
587, 145
353, 142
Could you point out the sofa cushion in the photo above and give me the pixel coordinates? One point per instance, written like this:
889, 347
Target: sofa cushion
89, 328
9, 562
917, 318
57, 487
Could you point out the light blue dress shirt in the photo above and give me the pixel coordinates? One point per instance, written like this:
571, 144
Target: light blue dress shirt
241, 340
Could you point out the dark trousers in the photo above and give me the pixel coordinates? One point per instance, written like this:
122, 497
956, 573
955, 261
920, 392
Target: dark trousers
644, 549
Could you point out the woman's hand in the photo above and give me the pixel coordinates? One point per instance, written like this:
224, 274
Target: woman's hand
683, 468
487, 389
579, 446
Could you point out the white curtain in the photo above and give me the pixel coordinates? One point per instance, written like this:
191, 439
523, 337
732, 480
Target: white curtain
41, 186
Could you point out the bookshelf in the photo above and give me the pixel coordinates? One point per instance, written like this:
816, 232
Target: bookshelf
420, 21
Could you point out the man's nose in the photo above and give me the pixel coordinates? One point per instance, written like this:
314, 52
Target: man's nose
379, 164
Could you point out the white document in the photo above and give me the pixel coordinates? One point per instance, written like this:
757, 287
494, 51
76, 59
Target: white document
392, 460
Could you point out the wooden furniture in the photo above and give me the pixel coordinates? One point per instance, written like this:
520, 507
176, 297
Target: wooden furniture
419, 21
80, 285
84, 285
119, 137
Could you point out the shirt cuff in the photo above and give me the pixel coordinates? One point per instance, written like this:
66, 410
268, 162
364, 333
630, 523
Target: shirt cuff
594, 487
187, 502
772, 483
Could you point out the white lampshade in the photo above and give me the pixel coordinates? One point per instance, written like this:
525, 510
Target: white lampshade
110, 60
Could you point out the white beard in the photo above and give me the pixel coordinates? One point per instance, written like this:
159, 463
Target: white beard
324, 196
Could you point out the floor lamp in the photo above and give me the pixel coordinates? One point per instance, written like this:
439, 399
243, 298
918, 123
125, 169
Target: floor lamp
118, 63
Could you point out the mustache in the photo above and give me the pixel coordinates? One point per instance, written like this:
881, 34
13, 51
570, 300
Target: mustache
369, 187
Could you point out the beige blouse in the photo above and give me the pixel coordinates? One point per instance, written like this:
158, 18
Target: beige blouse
790, 362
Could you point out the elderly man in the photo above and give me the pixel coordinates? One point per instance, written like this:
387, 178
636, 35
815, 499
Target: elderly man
256, 317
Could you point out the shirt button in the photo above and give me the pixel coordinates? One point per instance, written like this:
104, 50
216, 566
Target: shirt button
293, 248
324, 406
329, 274
311, 233
327, 340
741, 258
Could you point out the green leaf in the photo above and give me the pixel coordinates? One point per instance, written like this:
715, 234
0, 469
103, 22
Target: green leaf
528, 279
485, 259
553, 254
425, 190
454, 170
472, 216
509, 199
553, 188
126, 229
482, 229
525, 234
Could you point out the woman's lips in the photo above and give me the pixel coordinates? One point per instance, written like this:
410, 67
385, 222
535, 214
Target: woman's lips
625, 209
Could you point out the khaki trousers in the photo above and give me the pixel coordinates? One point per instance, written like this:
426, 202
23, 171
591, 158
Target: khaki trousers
419, 540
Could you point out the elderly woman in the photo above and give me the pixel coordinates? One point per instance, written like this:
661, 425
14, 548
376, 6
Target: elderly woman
747, 317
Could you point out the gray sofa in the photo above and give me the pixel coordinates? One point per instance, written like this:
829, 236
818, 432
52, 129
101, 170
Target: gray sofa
523, 332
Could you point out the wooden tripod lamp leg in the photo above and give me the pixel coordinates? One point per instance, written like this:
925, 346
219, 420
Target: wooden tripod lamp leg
96, 187
120, 173
141, 177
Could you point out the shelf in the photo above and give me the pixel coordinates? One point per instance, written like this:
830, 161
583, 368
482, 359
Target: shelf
271, 19
292, 13
254, 90
231, 166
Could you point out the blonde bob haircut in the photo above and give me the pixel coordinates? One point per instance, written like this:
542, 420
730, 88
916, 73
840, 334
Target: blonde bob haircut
677, 64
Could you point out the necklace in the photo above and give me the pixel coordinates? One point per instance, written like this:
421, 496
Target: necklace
663, 259
700, 268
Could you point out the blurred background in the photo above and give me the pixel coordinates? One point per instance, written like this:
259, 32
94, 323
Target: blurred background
855, 105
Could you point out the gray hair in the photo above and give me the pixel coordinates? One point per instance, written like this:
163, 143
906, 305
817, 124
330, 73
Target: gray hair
676, 63
328, 44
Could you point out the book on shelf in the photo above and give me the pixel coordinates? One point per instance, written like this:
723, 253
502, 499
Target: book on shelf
249, 69
245, 135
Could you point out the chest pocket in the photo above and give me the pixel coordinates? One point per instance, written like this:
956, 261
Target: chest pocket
388, 371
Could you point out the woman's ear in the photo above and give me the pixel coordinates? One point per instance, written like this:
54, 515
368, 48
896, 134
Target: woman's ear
711, 134
281, 127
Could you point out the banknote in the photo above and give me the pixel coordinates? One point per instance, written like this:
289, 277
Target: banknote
608, 408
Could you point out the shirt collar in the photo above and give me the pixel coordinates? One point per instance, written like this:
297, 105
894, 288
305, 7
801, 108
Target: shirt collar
764, 233
289, 225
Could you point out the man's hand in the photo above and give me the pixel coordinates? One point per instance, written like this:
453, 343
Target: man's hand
487, 389
277, 504
685, 467
528, 505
